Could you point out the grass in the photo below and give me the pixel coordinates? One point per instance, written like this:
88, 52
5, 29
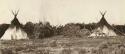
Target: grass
63, 45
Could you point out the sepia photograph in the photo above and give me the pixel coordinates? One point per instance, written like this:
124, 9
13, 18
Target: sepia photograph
62, 27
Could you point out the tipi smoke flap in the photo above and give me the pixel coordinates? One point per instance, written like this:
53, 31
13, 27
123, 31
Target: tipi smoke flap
14, 31
104, 28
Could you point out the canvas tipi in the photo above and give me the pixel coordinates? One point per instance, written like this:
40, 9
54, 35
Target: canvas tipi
104, 28
14, 31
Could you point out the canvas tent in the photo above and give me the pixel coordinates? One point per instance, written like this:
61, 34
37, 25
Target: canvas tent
14, 31
104, 28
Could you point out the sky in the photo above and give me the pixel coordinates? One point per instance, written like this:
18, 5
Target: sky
60, 12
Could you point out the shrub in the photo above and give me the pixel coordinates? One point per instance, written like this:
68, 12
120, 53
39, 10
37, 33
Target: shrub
82, 51
66, 51
6, 51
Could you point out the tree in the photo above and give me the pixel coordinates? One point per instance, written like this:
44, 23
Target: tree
3, 28
70, 29
29, 28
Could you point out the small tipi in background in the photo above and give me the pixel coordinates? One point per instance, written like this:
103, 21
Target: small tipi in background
14, 31
104, 28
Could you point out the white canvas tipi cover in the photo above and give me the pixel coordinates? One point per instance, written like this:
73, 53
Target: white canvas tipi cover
14, 32
103, 28
103, 32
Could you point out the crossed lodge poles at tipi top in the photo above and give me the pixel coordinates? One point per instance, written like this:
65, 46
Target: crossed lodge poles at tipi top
105, 29
14, 31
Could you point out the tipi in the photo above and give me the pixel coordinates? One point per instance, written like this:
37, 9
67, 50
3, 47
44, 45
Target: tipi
14, 31
104, 28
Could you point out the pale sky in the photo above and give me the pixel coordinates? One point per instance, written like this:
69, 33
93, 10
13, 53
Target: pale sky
63, 11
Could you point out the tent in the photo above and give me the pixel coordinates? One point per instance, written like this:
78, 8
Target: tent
104, 28
14, 31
